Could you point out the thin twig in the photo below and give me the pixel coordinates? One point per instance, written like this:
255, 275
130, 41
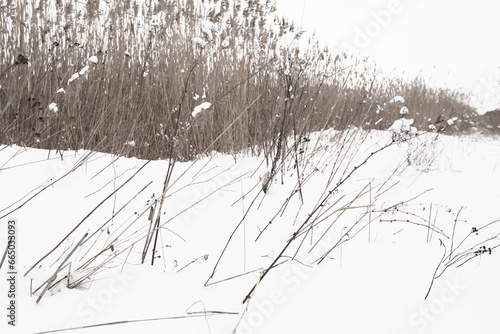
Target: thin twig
435, 271
85, 218
122, 322
54, 276
453, 234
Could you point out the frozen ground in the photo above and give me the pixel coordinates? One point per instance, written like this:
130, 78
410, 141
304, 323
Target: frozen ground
390, 222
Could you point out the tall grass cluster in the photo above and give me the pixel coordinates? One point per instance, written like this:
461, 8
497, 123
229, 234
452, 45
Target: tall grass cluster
125, 76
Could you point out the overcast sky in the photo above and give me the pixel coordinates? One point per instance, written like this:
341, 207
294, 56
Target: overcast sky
455, 42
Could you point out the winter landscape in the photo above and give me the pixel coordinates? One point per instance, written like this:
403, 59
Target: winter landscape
190, 167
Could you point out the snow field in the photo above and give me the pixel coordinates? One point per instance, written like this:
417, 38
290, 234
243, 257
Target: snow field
374, 281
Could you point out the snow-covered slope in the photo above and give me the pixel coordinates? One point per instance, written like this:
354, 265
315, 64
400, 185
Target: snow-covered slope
363, 262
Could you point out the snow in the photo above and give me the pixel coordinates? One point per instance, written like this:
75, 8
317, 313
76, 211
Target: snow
130, 143
84, 70
207, 27
93, 59
452, 121
61, 90
397, 99
53, 107
374, 282
73, 78
200, 108
404, 110
199, 41
403, 125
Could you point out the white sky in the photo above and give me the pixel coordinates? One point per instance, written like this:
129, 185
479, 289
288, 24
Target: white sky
454, 42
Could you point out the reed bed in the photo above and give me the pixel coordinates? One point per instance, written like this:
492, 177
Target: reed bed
124, 77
